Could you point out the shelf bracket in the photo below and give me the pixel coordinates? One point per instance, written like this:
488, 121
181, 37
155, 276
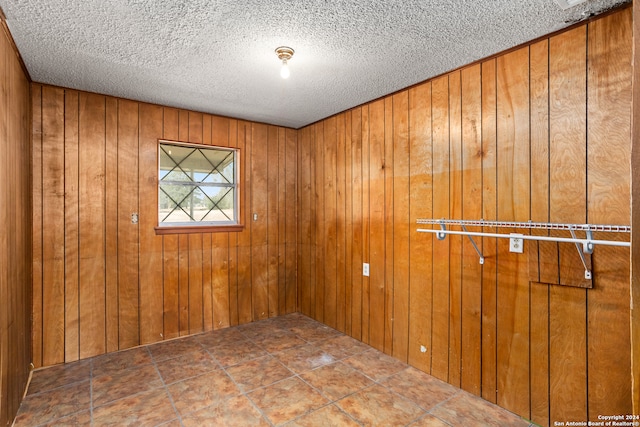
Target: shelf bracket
587, 272
474, 245
440, 235
587, 247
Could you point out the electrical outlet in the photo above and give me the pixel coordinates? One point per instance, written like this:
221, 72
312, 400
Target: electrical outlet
516, 243
365, 269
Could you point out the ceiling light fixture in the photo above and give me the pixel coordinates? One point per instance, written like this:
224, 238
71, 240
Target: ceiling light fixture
284, 54
567, 4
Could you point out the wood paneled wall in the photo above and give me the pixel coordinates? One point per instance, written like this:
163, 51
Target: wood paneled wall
540, 133
101, 283
635, 215
15, 229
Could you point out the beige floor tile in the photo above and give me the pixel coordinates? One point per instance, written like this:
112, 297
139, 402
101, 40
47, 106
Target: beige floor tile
429, 421
466, 409
286, 400
202, 391
422, 389
305, 358
220, 336
258, 373
149, 408
82, 418
375, 364
232, 353
314, 332
259, 330
51, 405
378, 406
172, 423
337, 380
174, 348
342, 346
293, 320
116, 362
328, 416
278, 341
59, 375
110, 387
235, 412
186, 366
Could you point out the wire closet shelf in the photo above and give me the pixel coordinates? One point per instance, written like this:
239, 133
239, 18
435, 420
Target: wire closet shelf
588, 242
528, 224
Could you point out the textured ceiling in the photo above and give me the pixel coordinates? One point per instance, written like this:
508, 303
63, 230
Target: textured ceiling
217, 56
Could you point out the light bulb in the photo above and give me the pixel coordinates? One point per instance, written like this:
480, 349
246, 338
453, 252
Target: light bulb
284, 71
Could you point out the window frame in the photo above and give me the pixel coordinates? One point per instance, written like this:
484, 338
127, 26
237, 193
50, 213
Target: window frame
190, 228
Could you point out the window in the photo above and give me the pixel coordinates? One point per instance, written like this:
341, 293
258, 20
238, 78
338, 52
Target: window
198, 188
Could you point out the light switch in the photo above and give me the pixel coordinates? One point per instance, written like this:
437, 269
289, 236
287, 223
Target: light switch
365, 269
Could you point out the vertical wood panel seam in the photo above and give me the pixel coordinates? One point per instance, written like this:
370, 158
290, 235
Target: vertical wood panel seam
361, 193
481, 79
344, 208
251, 220
385, 170
42, 225
237, 238
348, 234
64, 229
497, 191
201, 327
267, 223
530, 192
449, 209
362, 214
369, 218
286, 240
548, 218
78, 218
432, 251
409, 139
586, 202
391, 305
299, 209
117, 235
157, 189
324, 217
228, 316
461, 291
104, 222
529, 246
188, 238
138, 229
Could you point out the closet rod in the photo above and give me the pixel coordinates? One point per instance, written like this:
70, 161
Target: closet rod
528, 237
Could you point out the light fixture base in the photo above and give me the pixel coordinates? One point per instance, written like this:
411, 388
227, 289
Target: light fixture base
284, 53
567, 4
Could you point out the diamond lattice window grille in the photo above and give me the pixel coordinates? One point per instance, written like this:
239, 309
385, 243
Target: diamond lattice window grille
197, 185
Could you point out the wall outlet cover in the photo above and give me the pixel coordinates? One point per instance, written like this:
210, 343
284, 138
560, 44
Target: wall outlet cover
516, 243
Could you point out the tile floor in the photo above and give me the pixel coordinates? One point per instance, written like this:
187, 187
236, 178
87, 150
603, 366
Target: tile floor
289, 370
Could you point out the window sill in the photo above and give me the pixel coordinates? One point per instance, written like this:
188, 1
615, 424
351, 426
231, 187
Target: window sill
199, 229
